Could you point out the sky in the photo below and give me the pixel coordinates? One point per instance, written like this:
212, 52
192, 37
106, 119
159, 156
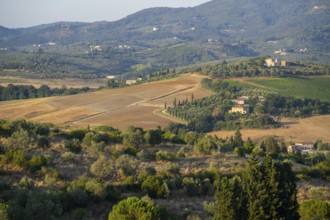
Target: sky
27, 13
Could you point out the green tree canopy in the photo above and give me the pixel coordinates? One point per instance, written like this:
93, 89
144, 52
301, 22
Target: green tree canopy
314, 209
134, 208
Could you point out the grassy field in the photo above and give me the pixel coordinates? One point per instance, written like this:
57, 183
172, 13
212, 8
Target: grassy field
298, 87
135, 105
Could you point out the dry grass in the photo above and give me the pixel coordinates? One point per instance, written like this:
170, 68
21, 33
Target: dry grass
295, 130
136, 105
53, 83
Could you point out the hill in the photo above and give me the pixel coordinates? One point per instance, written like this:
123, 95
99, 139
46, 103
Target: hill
170, 37
135, 105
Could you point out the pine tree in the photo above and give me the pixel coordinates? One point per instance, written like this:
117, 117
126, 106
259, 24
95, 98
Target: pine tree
230, 198
238, 142
271, 190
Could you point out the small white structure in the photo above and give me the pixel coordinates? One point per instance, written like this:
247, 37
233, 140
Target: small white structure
111, 77
300, 147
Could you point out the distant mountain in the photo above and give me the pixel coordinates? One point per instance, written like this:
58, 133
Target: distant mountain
211, 31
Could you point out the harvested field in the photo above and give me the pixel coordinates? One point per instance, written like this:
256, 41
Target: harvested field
53, 83
138, 105
295, 130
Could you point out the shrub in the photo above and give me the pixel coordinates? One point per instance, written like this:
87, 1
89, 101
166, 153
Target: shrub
50, 175
172, 169
191, 186
43, 142
146, 155
102, 168
96, 188
19, 139
42, 130
36, 162
134, 208
164, 155
78, 134
17, 157
127, 165
155, 187
73, 145
181, 152
26, 182
314, 209
69, 156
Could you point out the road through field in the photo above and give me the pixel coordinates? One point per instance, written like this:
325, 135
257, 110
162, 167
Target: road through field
138, 105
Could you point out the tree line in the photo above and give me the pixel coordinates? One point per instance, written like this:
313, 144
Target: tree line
15, 92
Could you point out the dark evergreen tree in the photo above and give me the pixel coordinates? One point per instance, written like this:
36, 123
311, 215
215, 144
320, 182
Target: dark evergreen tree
238, 142
270, 189
230, 200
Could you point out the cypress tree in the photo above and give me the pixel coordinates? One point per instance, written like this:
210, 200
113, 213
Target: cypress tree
231, 200
271, 190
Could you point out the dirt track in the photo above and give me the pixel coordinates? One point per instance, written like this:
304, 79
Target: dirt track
136, 105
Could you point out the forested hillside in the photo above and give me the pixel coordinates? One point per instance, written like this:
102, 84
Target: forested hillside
159, 38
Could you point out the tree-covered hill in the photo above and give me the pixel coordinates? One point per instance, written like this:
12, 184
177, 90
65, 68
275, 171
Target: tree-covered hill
182, 36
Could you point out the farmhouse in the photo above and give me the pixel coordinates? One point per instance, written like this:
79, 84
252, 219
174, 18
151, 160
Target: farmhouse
133, 81
243, 109
300, 147
270, 62
241, 100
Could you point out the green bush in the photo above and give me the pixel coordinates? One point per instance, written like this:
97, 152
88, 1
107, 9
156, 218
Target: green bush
155, 187
191, 186
78, 134
127, 165
96, 188
36, 162
69, 156
43, 142
134, 208
73, 145
314, 209
102, 168
17, 157
164, 155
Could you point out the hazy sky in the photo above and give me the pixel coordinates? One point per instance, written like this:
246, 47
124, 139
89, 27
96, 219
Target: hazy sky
26, 13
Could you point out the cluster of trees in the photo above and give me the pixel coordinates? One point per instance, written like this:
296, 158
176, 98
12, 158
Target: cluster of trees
255, 67
112, 166
266, 190
14, 92
212, 113
290, 107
